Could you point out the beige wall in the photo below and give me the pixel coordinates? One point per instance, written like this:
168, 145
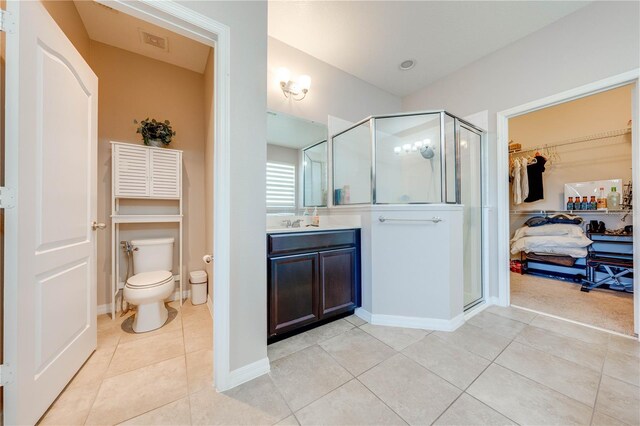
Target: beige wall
596, 160
133, 86
208, 161
66, 15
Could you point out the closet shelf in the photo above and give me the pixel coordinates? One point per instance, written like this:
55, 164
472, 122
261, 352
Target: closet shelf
573, 212
594, 137
146, 218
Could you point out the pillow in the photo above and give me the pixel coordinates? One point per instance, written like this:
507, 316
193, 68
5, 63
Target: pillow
550, 229
561, 245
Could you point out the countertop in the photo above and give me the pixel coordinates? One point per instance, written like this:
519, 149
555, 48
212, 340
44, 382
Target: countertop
310, 229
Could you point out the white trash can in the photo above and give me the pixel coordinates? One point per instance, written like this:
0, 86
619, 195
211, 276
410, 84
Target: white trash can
198, 280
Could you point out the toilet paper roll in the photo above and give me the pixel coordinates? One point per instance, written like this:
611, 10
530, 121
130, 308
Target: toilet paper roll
207, 258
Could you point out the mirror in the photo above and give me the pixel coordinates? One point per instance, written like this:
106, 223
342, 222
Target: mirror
290, 185
315, 175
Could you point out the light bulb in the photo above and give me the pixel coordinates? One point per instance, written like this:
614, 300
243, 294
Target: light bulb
407, 147
426, 142
418, 144
397, 150
283, 75
414, 148
304, 82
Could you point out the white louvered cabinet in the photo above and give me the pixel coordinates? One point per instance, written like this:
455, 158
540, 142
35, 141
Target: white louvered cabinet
143, 173
146, 172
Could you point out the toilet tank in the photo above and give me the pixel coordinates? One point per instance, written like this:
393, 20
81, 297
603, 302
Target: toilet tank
154, 254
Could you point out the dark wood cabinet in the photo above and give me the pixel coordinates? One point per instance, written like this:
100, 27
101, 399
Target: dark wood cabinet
338, 281
312, 277
293, 292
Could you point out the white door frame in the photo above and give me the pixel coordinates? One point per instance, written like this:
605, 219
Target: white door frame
185, 21
503, 117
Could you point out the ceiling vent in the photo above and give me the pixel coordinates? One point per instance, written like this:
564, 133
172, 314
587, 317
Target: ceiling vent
154, 40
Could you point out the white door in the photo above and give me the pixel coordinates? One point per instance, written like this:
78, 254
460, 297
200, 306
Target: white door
51, 156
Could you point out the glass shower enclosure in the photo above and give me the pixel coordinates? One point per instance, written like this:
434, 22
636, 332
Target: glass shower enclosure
428, 157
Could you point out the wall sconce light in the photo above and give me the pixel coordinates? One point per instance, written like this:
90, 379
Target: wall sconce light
294, 89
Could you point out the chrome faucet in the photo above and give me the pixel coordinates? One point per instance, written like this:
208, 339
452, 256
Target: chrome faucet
296, 223
286, 223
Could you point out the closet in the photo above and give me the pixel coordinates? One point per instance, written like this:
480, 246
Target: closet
571, 210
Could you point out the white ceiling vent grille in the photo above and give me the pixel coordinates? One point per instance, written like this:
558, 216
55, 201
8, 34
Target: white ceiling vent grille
157, 41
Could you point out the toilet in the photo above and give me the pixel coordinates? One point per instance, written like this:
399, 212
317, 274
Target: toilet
151, 283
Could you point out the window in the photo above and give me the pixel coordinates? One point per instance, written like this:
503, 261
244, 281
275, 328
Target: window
281, 186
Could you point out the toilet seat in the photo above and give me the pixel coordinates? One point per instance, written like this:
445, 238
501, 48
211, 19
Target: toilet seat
149, 279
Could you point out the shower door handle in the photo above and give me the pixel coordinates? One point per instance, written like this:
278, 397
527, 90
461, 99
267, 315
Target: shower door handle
97, 225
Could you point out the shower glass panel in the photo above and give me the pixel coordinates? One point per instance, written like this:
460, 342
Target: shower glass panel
471, 198
315, 175
352, 166
407, 168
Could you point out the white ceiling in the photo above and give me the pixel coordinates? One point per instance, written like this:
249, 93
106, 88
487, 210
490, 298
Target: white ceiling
292, 132
120, 30
370, 39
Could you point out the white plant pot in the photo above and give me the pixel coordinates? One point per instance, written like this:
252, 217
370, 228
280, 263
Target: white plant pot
156, 143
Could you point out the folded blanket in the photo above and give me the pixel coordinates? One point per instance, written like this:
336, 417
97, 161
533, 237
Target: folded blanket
549, 258
558, 218
550, 229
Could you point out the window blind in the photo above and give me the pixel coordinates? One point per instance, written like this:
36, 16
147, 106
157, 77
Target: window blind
281, 186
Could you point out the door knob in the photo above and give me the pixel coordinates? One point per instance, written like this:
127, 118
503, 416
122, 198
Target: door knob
95, 225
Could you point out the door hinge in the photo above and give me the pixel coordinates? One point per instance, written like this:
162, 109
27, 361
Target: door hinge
7, 23
6, 374
7, 198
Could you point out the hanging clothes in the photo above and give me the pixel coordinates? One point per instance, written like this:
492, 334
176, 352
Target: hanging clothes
516, 176
524, 178
534, 172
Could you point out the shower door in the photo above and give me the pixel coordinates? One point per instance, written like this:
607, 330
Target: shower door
470, 158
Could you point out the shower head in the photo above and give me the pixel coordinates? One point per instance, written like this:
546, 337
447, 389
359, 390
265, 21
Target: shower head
427, 152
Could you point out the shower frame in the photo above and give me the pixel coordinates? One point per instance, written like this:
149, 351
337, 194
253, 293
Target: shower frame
458, 122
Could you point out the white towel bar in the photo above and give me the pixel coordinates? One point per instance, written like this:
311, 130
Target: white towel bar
434, 219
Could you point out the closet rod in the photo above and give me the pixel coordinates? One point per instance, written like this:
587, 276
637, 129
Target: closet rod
597, 136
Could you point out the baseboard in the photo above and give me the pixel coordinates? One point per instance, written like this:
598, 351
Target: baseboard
248, 372
493, 300
476, 310
210, 305
103, 309
411, 322
363, 314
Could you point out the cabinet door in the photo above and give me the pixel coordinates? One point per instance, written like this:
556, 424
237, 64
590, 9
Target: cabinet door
293, 292
131, 171
165, 174
338, 281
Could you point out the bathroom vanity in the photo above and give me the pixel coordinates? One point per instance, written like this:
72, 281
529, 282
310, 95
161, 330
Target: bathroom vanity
313, 277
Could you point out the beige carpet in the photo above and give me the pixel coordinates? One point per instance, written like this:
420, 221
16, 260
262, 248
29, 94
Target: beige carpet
607, 309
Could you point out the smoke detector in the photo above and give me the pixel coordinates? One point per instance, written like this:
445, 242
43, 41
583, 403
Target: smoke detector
407, 64
156, 41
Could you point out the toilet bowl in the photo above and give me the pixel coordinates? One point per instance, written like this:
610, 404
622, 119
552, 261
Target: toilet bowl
148, 291
151, 283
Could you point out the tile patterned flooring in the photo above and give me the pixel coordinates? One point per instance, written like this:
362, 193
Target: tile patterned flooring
504, 366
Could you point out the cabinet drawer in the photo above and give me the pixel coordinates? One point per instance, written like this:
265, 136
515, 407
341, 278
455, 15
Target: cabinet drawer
310, 241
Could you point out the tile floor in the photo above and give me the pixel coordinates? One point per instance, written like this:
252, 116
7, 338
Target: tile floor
504, 366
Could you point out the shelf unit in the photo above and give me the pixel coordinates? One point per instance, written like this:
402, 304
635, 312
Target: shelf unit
141, 172
573, 212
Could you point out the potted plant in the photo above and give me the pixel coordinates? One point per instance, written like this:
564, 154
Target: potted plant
155, 133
